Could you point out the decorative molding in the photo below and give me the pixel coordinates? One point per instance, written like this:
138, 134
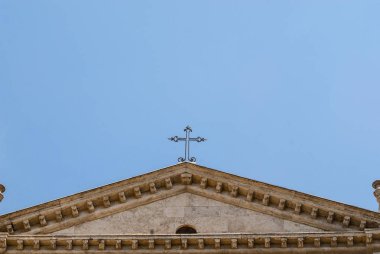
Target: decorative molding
250, 195
297, 208
203, 183
122, 197
266, 199
74, 211
186, 178
314, 213
346, 221
42, 220
242, 192
152, 188
168, 183
106, 201
281, 204
316, 242
330, 217
234, 191
151, 244
90, 206
219, 187
58, 216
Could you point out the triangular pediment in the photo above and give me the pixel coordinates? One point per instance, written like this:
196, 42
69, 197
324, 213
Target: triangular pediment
259, 200
205, 215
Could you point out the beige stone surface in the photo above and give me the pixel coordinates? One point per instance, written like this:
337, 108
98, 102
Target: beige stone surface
205, 215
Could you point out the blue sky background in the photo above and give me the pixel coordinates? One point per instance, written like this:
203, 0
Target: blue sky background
287, 92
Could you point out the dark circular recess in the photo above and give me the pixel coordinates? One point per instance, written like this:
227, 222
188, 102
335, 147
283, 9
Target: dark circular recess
186, 230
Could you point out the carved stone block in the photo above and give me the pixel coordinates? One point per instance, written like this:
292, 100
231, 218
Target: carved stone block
363, 224
314, 213
369, 238
118, 244
204, 183
137, 192
234, 243
219, 187
317, 242
85, 245
3, 244
90, 206
20, 245
69, 244
74, 211
251, 242
300, 242
267, 242
53, 244
106, 201
168, 244
350, 241
152, 188
122, 197
250, 194
10, 228
284, 242
281, 204
217, 243
184, 244
26, 225
201, 244
168, 183
58, 216
234, 191
346, 221
266, 199
297, 208
186, 178
135, 244
330, 217
334, 241
151, 244
36, 244
42, 220
102, 245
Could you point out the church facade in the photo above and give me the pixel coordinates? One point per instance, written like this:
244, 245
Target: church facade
187, 208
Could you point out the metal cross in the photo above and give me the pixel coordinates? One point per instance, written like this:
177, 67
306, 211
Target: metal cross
187, 144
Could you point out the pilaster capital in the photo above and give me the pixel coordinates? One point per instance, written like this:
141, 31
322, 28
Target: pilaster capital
376, 193
376, 184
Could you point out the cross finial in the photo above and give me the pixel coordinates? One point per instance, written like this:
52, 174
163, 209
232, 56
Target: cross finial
187, 140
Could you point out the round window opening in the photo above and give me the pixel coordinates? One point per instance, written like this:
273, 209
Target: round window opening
186, 230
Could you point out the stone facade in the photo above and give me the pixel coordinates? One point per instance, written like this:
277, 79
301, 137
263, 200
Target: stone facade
204, 214
230, 215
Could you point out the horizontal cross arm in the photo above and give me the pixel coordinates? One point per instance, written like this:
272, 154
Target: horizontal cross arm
176, 139
198, 139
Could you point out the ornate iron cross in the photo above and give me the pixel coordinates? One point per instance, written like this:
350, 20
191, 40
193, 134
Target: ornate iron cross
187, 144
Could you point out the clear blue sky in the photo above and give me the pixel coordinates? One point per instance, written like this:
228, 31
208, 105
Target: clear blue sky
287, 92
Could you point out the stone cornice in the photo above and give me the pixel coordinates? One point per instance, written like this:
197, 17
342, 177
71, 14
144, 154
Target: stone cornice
336, 242
186, 177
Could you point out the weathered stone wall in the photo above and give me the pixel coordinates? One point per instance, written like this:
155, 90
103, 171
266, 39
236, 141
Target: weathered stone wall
205, 215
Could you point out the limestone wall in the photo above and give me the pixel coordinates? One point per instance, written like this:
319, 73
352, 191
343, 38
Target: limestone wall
205, 215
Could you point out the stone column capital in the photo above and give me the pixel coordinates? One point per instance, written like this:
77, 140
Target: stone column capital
376, 184
376, 193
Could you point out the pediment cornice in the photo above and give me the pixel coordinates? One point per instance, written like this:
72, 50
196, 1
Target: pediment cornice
328, 242
186, 177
